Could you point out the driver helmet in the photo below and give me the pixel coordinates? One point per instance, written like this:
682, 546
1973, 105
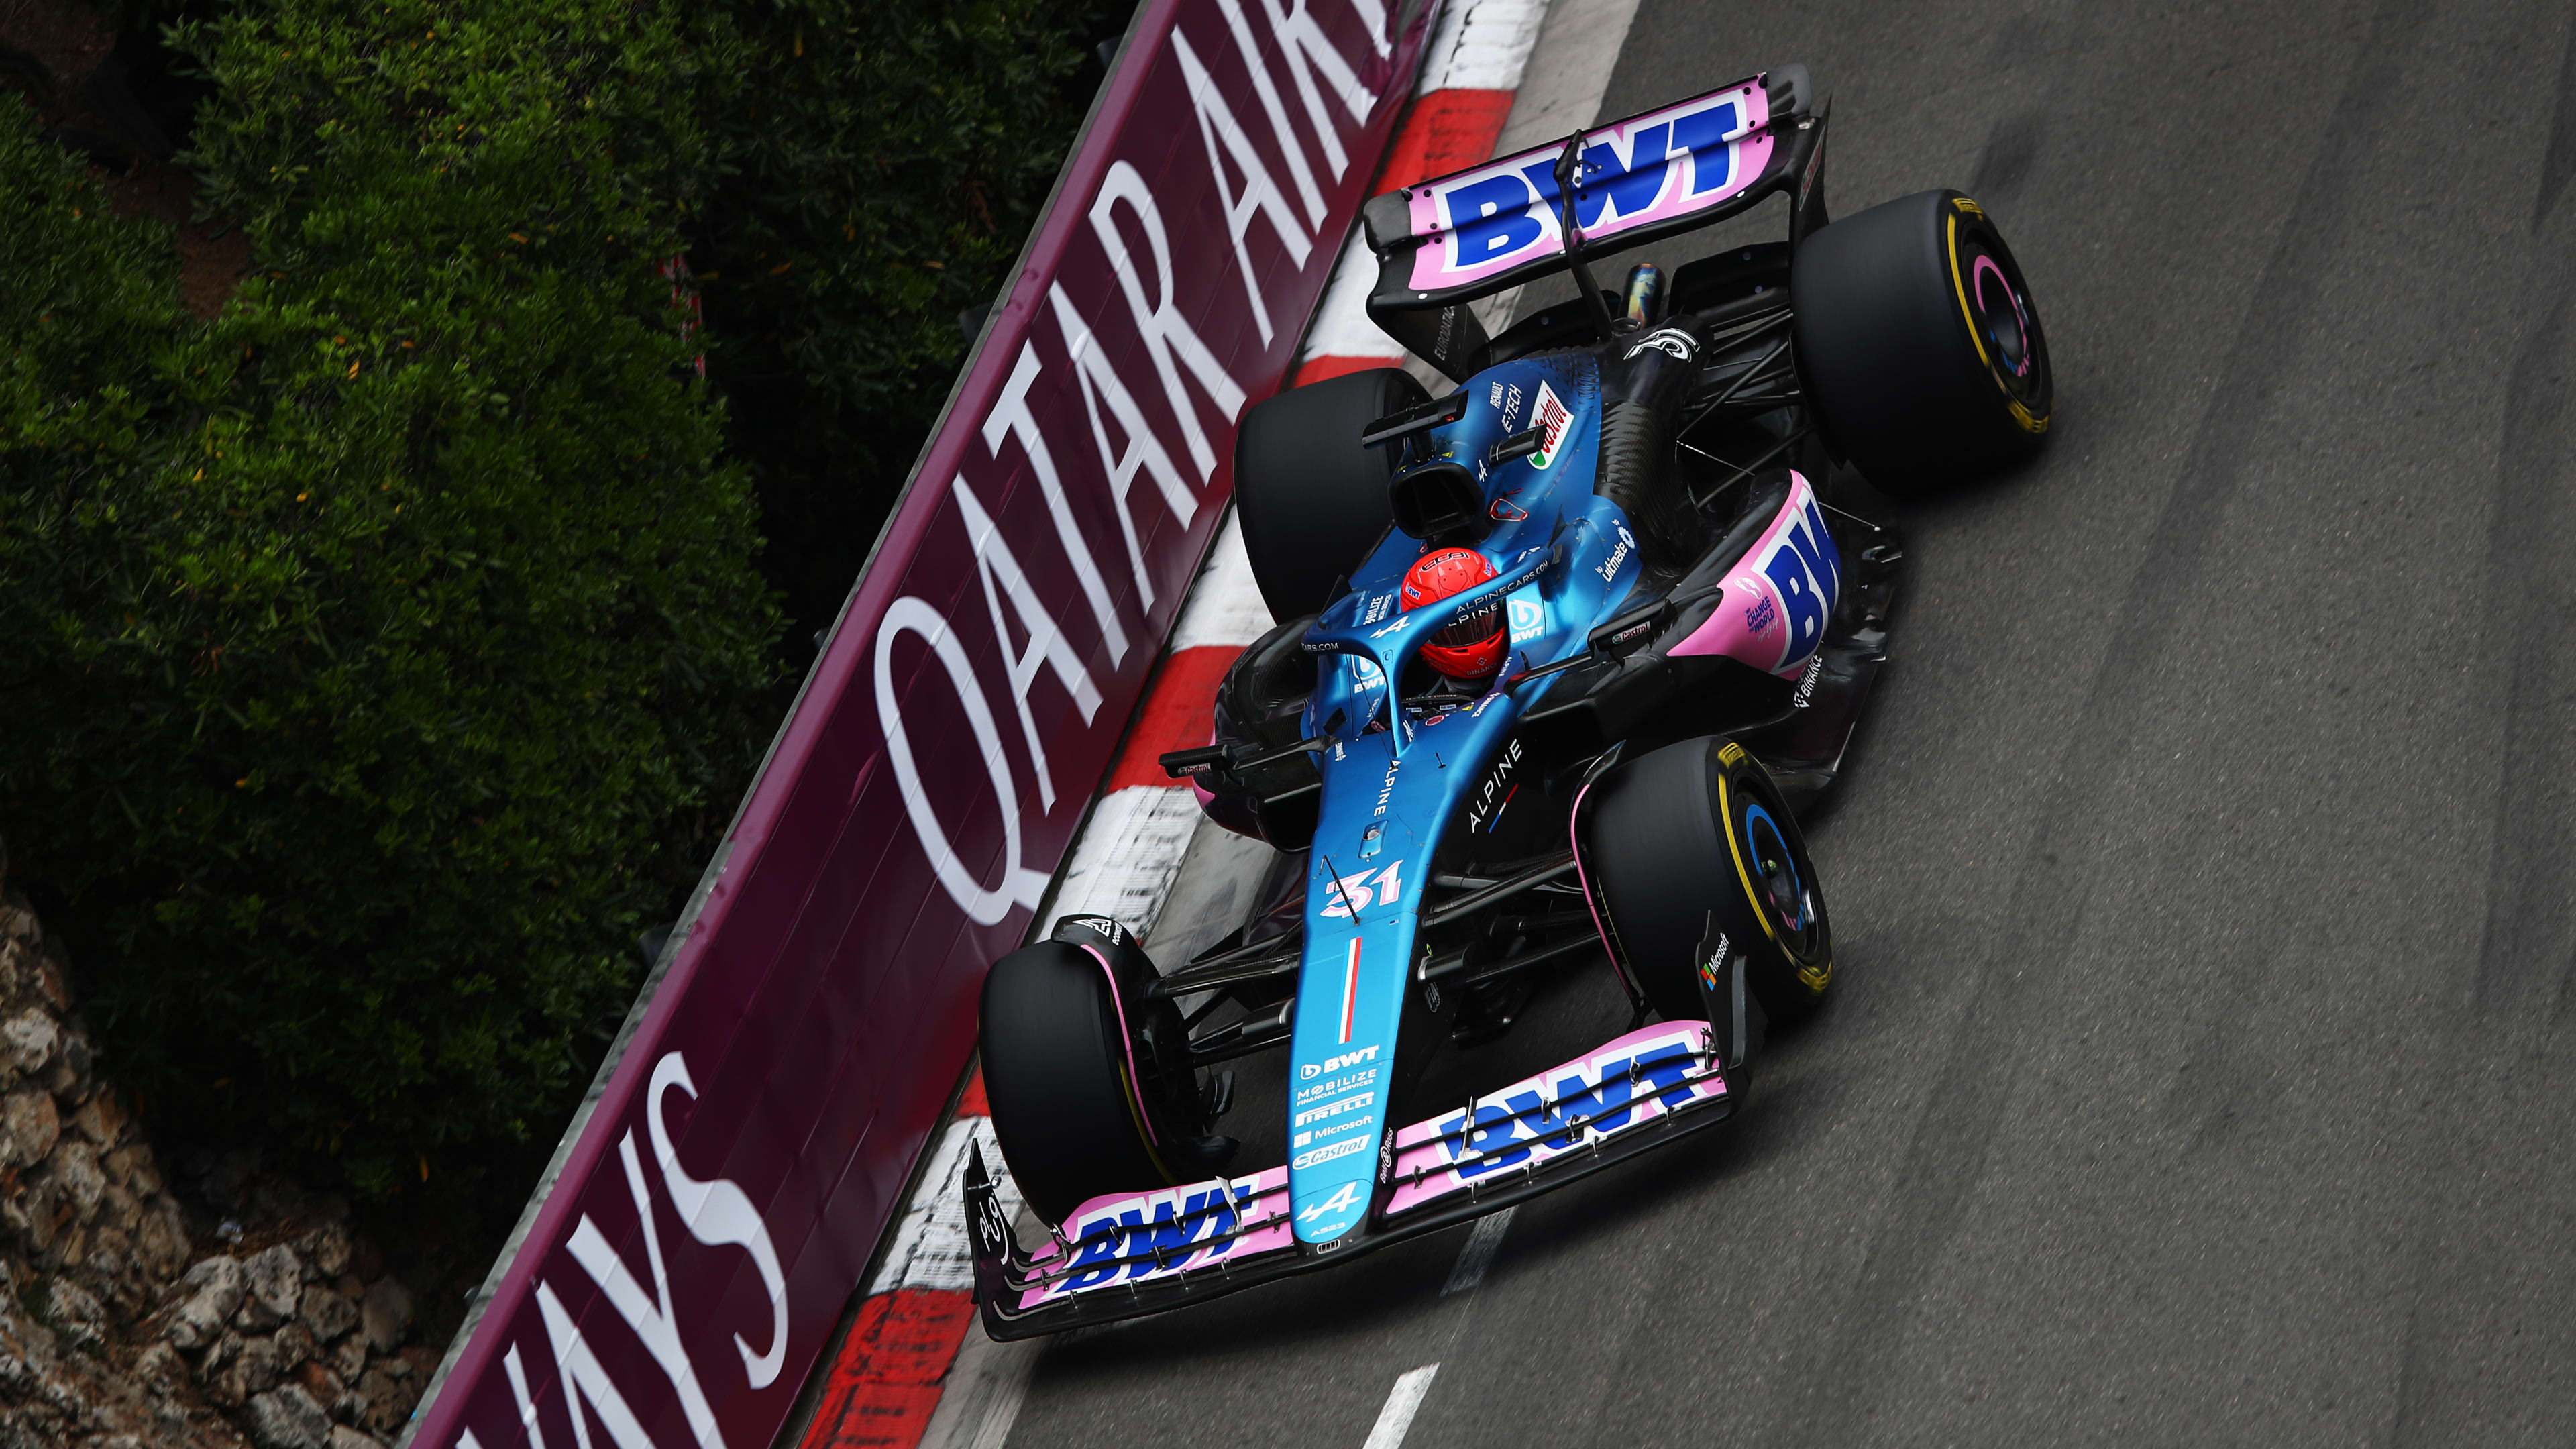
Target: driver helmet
1471, 648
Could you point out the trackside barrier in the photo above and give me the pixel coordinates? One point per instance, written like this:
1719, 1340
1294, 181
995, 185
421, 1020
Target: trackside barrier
721, 1192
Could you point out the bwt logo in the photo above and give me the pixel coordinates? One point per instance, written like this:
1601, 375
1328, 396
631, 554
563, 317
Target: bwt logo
1673, 162
1310, 1070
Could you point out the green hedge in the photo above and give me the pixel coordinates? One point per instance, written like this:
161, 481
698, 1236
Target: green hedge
882, 163
386, 653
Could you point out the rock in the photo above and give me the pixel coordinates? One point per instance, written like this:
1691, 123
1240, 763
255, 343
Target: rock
288, 1418
132, 1167
74, 1166
350, 1358
217, 1284
31, 1124
49, 980
160, 1369
388, 1402
69, 1076
385, 1315
118, 1208
329, 1390
78, 1316
326, 1252
327, 1313
255, 1316
257, 1369
160, 1238
102, 1120
294, 1347
216, 1371
344, 1437
275, 1280
27, 1041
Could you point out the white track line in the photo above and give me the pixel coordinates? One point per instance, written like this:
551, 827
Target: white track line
1402, 1403
1478, 1255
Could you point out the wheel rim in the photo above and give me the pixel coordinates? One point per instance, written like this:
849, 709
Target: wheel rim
1780, 888
2000, 311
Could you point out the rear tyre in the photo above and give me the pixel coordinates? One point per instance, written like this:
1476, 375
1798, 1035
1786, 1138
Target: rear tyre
1919, 344
1693, 843
1081, 1105
1313, 500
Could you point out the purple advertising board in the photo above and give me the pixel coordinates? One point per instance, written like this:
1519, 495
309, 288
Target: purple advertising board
719, 1197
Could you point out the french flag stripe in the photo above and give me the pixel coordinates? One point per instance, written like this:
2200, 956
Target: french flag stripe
1351, 988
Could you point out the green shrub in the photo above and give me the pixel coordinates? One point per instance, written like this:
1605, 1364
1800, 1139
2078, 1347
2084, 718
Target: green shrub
386, 653
883, 161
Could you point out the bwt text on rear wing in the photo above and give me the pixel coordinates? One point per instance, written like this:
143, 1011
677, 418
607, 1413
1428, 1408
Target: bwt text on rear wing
1471, 234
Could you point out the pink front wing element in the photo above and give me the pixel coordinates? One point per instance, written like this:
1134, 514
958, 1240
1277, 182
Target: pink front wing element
1776, 601
1622, 1084
1191, 1225
1664, 164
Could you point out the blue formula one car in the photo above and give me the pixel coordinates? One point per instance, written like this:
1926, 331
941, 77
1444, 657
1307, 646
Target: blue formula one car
1562, 655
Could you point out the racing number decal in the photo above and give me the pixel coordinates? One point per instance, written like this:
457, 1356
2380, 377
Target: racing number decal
1354, 892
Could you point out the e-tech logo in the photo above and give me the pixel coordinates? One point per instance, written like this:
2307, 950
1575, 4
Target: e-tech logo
1377, 608
1312, 1070
1618, 556
1490, 796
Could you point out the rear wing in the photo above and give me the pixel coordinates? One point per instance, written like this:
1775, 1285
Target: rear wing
1474, 233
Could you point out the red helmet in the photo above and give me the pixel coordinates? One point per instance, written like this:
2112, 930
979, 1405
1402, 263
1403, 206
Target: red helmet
1471, 648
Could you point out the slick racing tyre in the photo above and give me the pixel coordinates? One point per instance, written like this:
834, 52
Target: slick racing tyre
1083, 1103
1691, 849
1313, 500
1919, 344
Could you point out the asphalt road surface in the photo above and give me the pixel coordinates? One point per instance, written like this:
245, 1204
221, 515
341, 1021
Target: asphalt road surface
2200, 1070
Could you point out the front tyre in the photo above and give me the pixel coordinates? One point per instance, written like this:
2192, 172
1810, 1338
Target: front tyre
1919, 344
1692, 846
1089, 1084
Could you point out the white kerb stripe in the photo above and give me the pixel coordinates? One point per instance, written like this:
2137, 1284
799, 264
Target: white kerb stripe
1482, 45
1224, 607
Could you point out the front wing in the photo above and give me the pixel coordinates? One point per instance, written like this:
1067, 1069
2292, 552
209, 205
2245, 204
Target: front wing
1126, 1256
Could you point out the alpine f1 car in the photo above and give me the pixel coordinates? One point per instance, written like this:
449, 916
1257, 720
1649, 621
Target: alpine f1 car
1561, 657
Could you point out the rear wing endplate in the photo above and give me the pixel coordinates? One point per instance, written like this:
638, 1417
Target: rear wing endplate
1471, 234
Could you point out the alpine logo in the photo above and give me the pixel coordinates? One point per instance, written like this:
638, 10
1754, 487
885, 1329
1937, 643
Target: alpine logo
1490, 796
